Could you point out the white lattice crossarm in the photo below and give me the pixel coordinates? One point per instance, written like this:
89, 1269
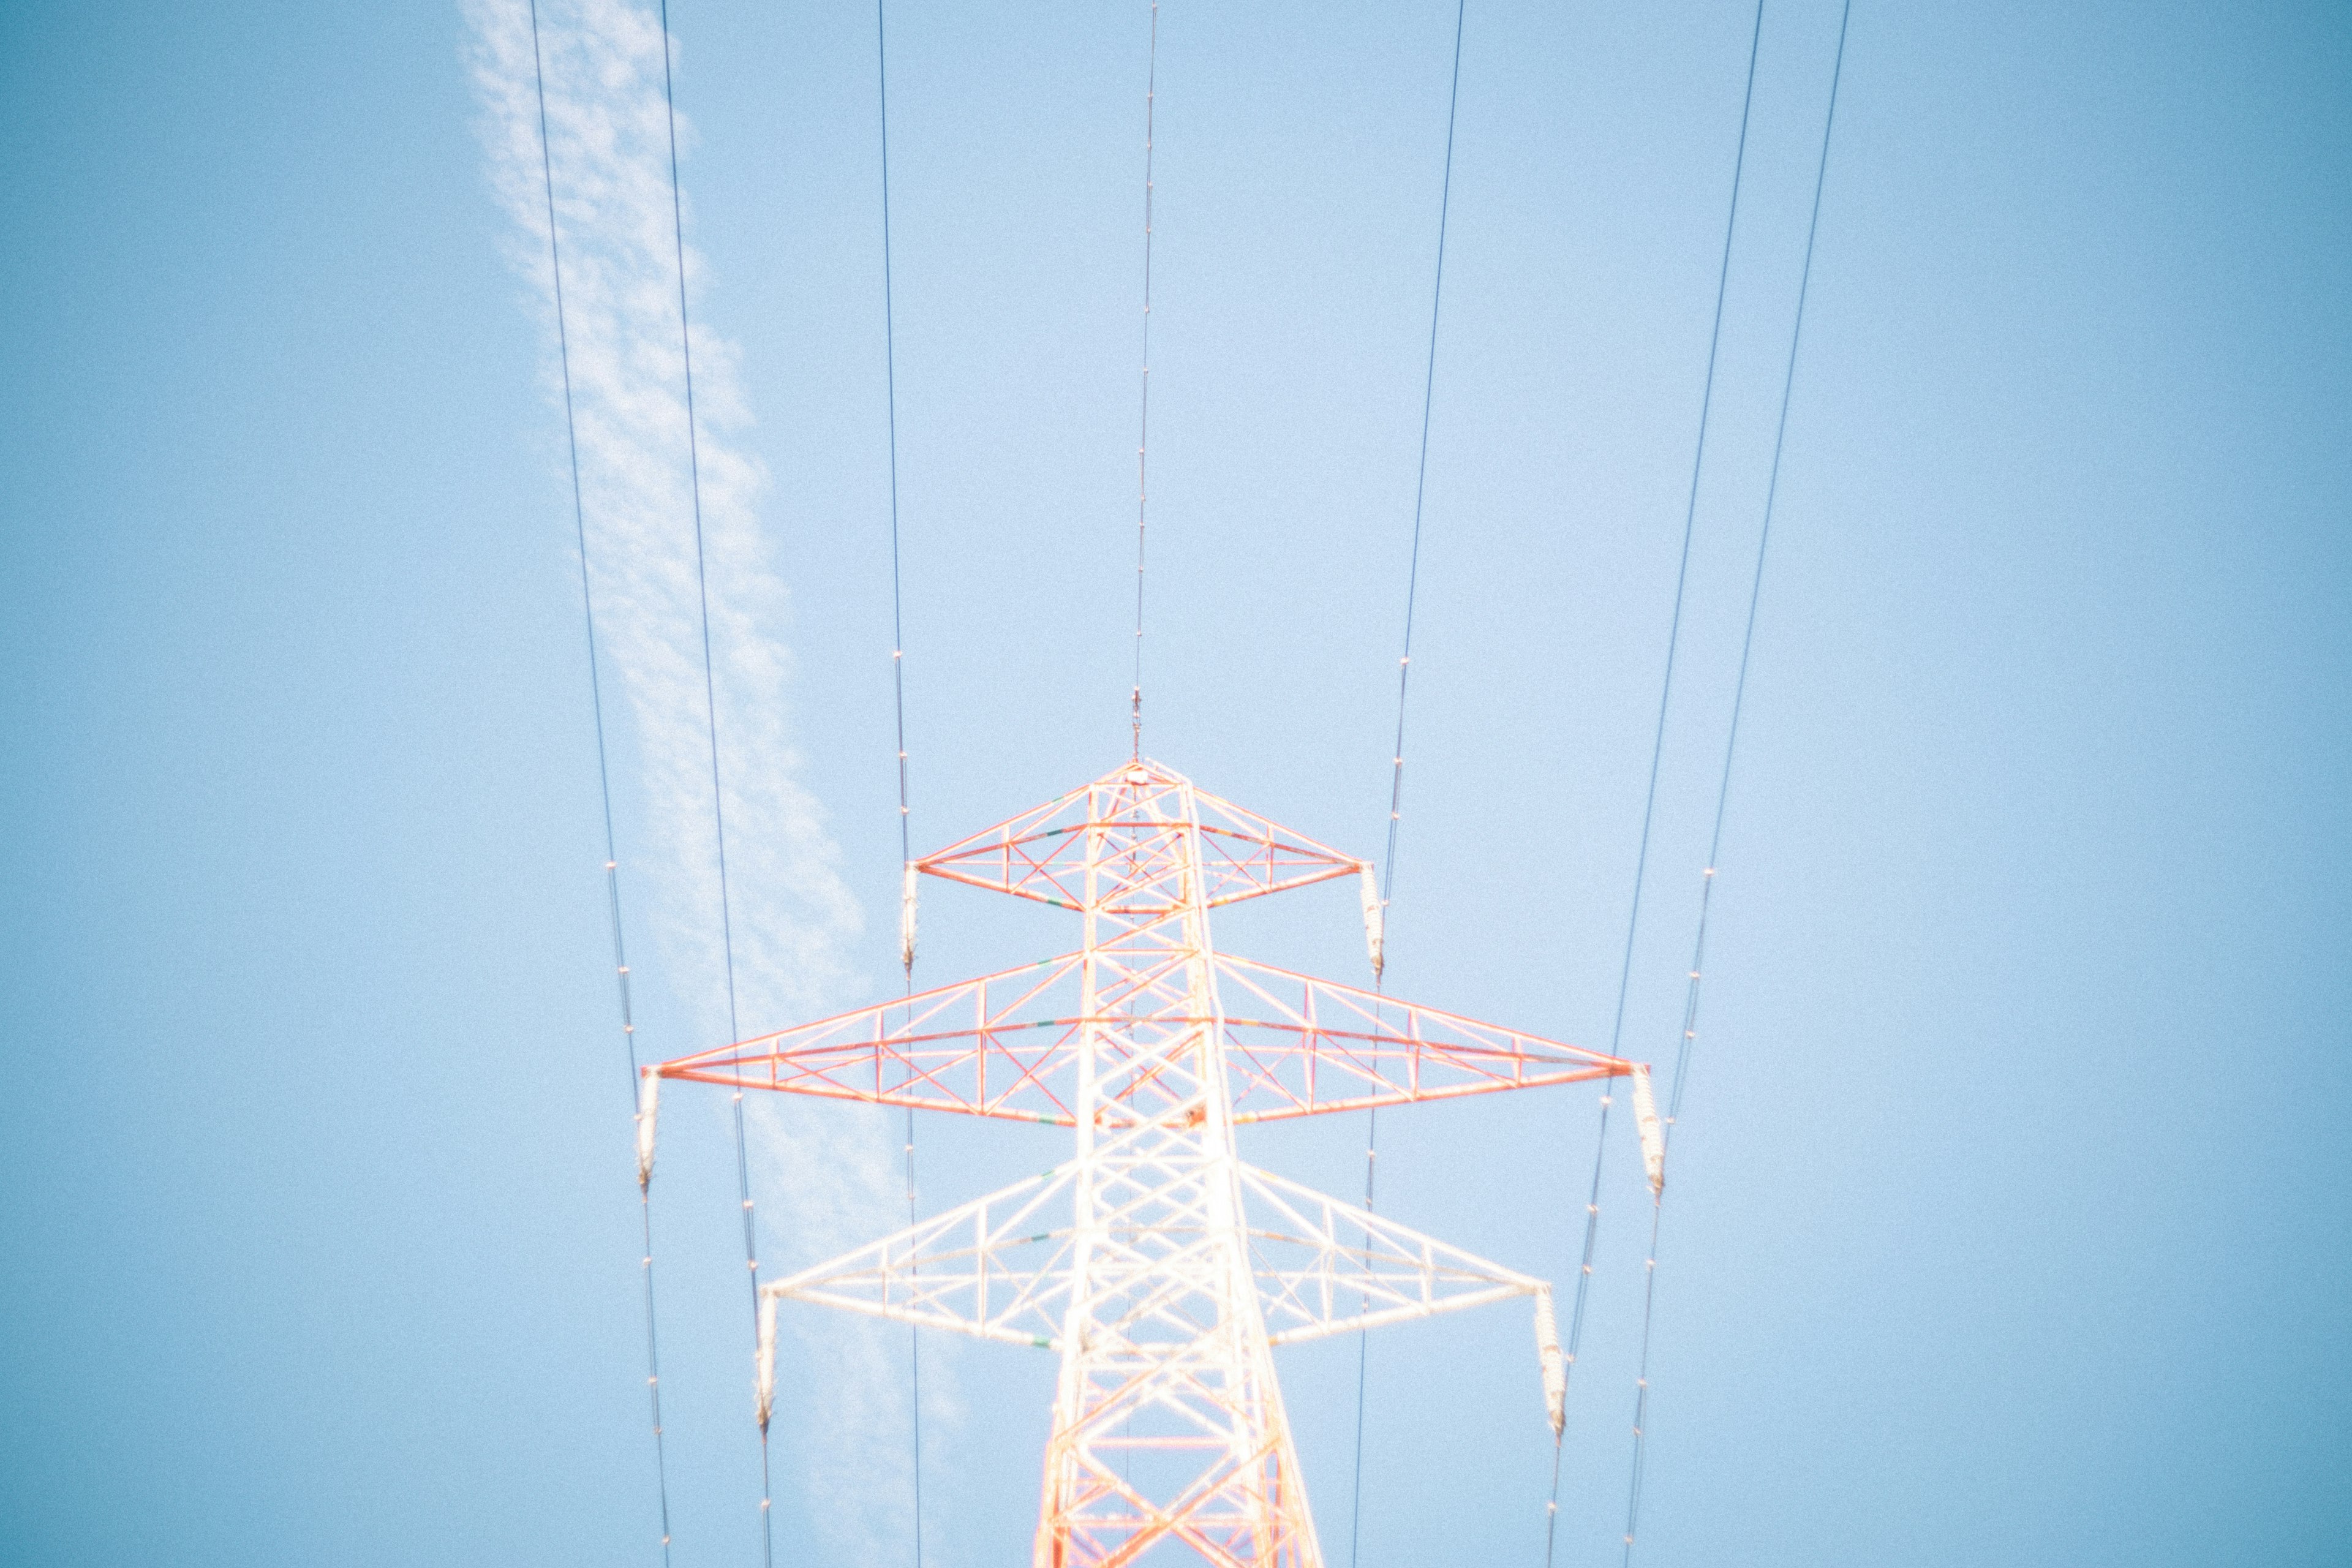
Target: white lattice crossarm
999, 1268
1297, 1046
988, 1268
995, 1268
1138, 812
1327, 1268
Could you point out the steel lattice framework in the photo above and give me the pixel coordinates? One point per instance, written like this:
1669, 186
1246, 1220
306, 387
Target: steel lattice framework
1161, 1268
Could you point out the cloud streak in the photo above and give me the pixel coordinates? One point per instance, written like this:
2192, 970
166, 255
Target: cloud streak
831, 1178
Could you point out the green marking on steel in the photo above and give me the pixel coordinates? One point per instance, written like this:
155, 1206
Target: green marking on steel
1041, 1341
1043, 1235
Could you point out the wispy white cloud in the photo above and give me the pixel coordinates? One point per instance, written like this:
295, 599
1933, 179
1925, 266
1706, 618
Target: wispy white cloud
826, 1182
609, 141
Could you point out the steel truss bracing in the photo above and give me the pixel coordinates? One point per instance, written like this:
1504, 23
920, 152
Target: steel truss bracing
1159, 1266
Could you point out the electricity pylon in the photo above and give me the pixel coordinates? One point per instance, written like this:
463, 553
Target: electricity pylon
1160, 1267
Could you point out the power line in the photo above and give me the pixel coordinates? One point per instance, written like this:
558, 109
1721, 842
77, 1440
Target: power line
899, 707
1576, 1319
604, 768
1690, 517
1723, 788
890, 382
1143, 423
1405, 669
1658, 738
710, 711
1421, 471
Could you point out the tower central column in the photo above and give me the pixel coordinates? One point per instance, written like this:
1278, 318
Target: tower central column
1167, 1421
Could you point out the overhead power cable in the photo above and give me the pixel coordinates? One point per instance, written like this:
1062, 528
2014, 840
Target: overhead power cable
890, 385
1143, 420
1421, 468
603, 769
1683, 1047
1658, 735
1404, 670
710, 714
898, 709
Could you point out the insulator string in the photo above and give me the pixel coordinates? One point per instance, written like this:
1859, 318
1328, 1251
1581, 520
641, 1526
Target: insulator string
710, 714
604, 766
1684, 1045
1404, 670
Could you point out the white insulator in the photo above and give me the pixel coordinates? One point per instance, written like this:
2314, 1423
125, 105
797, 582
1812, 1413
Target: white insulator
648, 1104
1369, 888
907, 920
1555, 1366
764, 1387
1654, 1137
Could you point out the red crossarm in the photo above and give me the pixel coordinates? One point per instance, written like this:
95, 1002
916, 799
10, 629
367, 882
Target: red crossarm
1042, 854
1005, 1045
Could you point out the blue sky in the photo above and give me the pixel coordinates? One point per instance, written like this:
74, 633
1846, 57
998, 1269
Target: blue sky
2006, 1218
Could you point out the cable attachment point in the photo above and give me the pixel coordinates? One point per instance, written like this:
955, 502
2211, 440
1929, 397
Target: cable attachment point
906, 921
1555, 1367
1654, 1140
764, 1385
648, 1106
1375, 921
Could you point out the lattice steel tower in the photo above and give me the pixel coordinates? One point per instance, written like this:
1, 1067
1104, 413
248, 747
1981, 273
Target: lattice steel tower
1161, 1267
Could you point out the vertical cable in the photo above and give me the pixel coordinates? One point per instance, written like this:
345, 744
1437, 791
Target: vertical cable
1723, 788
711, 711
1658, 737
899, 700
603, 769
1405, 669
1421, 471
1144, 421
